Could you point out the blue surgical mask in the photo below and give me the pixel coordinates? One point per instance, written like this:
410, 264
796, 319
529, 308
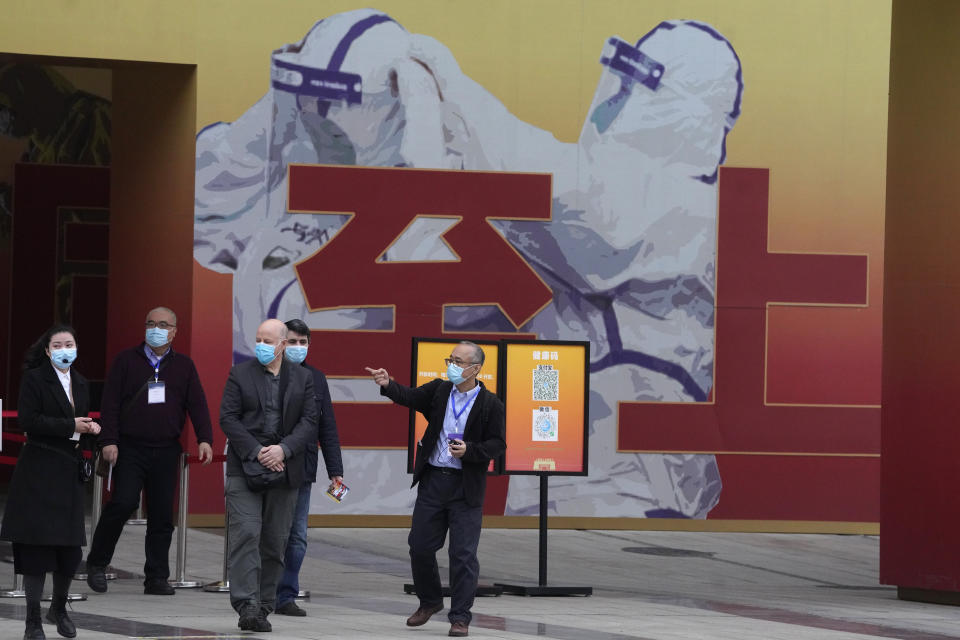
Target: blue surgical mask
455, 373
63, 358
265, 353
296, 353
157, 337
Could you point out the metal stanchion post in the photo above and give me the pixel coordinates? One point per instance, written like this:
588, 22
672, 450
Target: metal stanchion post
222, 586
95, 510
17, 591
138, 516
72, 597
181, 582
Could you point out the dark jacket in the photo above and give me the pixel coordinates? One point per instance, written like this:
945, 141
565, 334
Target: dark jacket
484, 433
329, 439
46, 500
126, 414
242, 416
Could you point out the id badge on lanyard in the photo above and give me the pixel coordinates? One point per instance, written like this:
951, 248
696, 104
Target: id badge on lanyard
156, 390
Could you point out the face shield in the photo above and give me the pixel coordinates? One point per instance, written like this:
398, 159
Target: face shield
334, 94
628, 66
673, 96
303, 96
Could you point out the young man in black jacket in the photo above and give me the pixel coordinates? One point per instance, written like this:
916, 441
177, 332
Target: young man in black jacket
298, 342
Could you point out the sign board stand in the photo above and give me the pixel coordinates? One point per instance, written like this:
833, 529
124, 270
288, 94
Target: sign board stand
546, 393
546, 415
542, 589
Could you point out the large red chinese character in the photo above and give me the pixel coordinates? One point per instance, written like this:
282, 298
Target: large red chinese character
738, 420
346, 271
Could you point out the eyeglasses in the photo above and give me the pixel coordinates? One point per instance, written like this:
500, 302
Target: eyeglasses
458, 362
150, 324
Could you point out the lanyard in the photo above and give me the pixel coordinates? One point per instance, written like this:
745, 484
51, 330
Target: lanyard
154, 360
453, 400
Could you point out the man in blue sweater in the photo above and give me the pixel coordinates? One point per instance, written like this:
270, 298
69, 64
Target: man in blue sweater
146, 398
298, 341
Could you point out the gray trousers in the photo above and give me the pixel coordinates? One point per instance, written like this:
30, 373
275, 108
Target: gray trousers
259, 528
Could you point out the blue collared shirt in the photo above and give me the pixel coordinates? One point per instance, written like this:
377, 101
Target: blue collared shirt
452, 424
154, 358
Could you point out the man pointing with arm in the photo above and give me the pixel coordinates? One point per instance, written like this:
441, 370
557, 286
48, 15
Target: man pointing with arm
465, 430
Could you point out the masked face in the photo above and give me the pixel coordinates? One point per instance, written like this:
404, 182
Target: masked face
63, 358
455, 373
266, 353
161, 327
62, 350
296, 353
459, 363
157, 337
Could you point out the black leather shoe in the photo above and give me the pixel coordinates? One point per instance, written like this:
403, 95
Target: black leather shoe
158, 588
290, 609
34, 630
421, 615
96, 578
65, 626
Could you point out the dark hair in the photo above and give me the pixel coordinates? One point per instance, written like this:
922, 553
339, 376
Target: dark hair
299, 327
37, 353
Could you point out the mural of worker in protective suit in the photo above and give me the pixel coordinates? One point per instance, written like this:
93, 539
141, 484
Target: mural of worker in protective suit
358, 90
631, 258
629, 254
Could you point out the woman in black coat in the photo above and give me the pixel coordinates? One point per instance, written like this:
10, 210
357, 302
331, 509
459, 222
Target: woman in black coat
44, 516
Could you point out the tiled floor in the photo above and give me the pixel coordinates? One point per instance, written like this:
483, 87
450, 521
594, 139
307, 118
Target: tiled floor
647, 585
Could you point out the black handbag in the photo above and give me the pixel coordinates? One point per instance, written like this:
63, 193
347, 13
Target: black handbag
85, 464
259, 478
84, 467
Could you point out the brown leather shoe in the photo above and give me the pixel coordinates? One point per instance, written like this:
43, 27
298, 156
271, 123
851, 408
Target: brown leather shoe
458, 630
421, 615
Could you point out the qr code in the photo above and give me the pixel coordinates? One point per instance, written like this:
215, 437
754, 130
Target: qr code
546, 424
546, 384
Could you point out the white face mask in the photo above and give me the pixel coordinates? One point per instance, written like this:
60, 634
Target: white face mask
63, 358
295, 353
157, 337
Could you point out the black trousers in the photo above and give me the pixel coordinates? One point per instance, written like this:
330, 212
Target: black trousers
441, 507
154, 471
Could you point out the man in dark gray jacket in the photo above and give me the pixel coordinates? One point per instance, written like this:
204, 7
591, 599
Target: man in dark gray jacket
269, 416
